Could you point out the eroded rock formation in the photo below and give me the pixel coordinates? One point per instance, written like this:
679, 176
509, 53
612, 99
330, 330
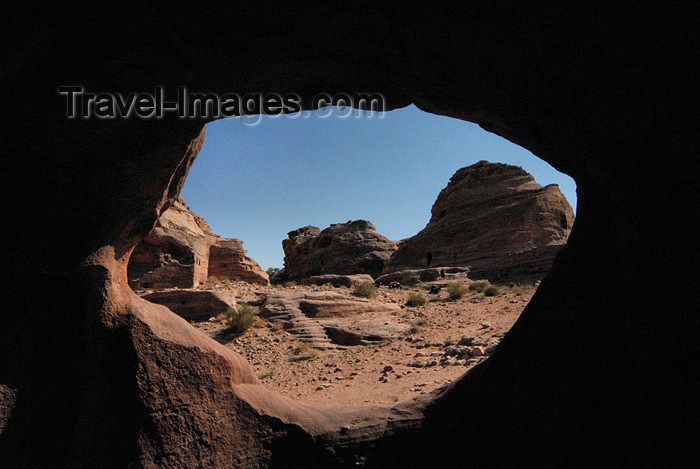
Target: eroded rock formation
319, 318
354, 247
588, 376
193, 304
433, 275
494, 218
337, 280
182, 250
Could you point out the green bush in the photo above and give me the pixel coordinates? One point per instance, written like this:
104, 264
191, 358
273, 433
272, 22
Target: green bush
479, 286
240, 319
491, 290
456, 290
276, 275
366, 290
415, 300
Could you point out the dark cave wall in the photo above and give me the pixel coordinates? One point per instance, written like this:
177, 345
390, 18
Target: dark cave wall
596, 372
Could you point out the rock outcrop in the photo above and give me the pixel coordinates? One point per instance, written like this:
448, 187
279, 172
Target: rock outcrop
193, 304
182, 250
354, 247
432, 274
337, 280
320, 318
494, 218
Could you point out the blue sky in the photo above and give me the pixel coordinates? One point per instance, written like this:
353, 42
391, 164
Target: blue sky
258, 182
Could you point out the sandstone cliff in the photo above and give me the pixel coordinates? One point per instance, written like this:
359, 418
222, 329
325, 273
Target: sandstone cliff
182, 250
495, 218
354, 247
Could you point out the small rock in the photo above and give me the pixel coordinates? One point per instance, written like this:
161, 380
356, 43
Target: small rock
465, 340
485, 325
388, 369
477, 351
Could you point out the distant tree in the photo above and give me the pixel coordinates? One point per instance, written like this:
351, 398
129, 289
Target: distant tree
276, 275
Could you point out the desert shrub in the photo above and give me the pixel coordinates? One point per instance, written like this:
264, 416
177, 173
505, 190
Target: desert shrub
415, 300
491, 290
366, 290
456, 290
241, 318
479, 286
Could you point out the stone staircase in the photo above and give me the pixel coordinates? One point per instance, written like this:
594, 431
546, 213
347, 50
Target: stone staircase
284, 308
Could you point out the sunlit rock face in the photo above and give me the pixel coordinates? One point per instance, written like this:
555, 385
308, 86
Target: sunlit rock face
354, 247
494, 218
182, 250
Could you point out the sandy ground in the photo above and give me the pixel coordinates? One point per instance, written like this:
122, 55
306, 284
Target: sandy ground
381, 373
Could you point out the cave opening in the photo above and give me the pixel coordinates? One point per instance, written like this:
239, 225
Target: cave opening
241, 200
109, 379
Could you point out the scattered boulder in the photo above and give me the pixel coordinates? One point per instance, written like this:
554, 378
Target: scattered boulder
495, 218
182, 250
465, 340
354, 247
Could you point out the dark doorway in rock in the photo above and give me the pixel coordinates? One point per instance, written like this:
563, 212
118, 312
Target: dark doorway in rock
564, 223
429, 258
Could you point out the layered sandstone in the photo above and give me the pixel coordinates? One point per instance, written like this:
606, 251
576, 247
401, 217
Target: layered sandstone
494, 218
428, 275
322, 319
354, 247
194, 304
182, 250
